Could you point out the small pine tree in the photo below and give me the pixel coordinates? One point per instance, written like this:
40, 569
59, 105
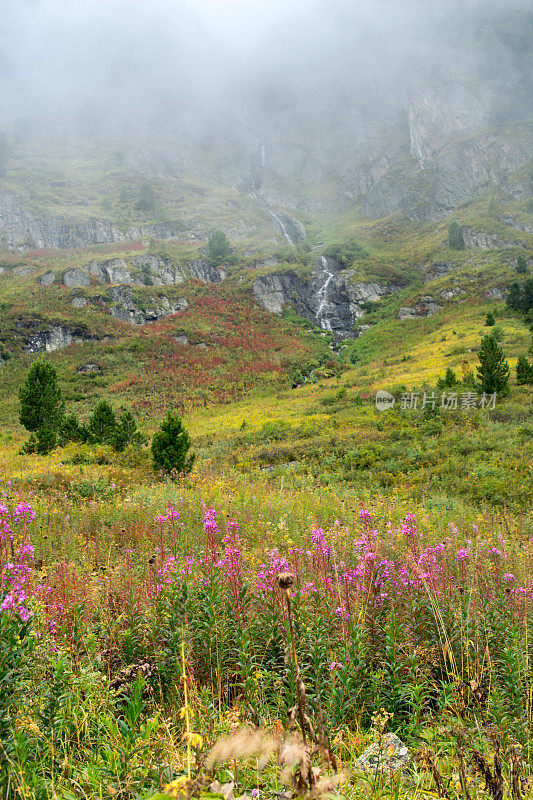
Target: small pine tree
219, 250
455, 237
493, 369
514, 298
449, 380
489, 320
170, 447
126, 432
524, 371
72, 431
521, 265
102, 425
40, 400
147, 198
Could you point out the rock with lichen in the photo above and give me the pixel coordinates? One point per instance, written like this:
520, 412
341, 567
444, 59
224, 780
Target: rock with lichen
389, 754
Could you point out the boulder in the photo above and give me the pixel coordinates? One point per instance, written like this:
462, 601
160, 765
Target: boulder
389, 754
88, 369
75, 278
116, 272
47, 279
494, 293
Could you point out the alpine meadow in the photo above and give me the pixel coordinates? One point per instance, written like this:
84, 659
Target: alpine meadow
266, 384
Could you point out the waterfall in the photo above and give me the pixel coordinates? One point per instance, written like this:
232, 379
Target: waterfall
282, 226
322, 293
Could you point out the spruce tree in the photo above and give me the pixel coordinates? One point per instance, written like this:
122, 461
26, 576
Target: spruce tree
41, 406
126, 432
489, 320
171, 446
102, 425
493, 369
524, 371
514, 298
455, 237
219, 250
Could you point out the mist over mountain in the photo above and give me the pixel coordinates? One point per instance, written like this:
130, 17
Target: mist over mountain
385, 99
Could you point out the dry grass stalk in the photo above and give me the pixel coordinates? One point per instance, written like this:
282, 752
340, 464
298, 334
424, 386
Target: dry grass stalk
244, 743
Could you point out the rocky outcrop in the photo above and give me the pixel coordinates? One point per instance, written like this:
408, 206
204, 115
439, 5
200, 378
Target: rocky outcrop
47, 279
23, 272
206, 273
487, 241
56, 338
126, 309
88, 369
75, 278
327, 299
284, 288
292, 230
443, 155
494, 293
157, 270
437, 270
426, 307
22, 230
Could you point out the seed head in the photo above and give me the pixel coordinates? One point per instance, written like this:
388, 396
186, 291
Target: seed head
285, 580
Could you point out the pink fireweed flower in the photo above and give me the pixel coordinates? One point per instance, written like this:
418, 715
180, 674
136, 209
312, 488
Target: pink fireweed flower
364, 515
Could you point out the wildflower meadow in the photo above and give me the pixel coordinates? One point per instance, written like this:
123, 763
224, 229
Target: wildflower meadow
169, 647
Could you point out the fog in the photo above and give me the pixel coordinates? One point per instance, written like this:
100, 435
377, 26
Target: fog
189, 63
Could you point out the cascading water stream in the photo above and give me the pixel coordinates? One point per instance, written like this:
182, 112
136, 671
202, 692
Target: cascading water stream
282, 226
322, 293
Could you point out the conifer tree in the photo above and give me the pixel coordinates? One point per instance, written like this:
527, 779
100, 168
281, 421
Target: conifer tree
171, 446
102, 425
493, 369
489, 320
455, 237
126, 431
41, 405
524, 371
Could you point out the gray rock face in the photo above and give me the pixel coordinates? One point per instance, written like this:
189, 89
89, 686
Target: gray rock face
292, 230
78, 302
440, 157
517, 224
487, 241
115, 271
450, 294
22, 230
56, 338
75, 278
47, 279
327, 300
425, 308
389, 754
494, 294
23, 272
205, 272
158, 270
437, 270
126, 310
360, 293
